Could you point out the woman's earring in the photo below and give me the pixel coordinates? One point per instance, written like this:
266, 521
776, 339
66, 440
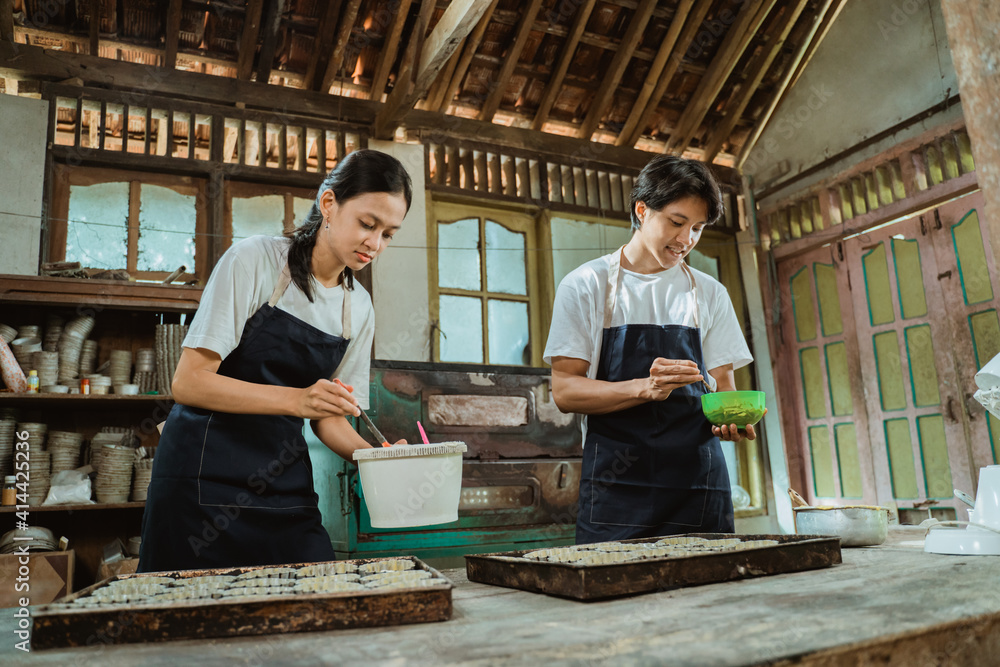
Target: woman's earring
327, 221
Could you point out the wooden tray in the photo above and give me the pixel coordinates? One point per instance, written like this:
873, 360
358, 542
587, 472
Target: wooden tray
793, 553
55, 625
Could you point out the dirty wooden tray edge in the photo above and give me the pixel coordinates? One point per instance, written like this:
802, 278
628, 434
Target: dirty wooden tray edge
216, 618
794, 553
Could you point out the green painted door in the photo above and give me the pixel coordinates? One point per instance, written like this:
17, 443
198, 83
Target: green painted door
823, 404
971, 285
918, 440
881, 335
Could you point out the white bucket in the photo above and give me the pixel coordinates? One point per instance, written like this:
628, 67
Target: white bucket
411, 485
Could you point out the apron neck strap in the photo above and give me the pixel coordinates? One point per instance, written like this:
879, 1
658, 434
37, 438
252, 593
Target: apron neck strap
614, 280
286, 278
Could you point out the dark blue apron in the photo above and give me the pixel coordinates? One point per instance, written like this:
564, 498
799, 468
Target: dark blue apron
235, 489
653, 469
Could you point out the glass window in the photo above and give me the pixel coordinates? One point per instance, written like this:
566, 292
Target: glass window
253, 216
300, 209
507, 323
461, 329
458, 254
505, 271
575, 242
167, 226
97, 230
484, 318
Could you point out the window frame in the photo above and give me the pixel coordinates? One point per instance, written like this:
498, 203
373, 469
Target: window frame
516, 220
66, 176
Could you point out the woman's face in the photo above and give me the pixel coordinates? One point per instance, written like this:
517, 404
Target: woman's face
669, 234
361, 227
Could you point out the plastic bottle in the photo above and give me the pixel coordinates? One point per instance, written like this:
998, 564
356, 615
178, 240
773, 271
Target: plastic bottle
32, 382
84, 386
9, 491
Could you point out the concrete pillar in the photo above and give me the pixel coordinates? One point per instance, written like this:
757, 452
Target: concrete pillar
974, 36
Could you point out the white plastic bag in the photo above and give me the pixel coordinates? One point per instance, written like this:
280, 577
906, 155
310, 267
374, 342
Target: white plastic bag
69, 487
990, 399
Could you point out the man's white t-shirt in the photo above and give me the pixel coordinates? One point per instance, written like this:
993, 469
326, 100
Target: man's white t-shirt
655, 298
242, 282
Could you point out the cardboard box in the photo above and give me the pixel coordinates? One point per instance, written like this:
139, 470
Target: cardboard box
123, 566
49, 577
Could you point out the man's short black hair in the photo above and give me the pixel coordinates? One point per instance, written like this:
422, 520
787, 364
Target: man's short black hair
668, 178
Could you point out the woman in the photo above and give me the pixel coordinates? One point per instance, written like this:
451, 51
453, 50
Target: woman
278, 320
631, 338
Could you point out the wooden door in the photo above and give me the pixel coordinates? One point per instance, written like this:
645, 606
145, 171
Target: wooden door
881, 337
823, 405
918, 441
971, 286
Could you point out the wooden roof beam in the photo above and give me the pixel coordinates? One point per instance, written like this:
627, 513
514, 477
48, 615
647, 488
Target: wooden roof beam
455, 24
602, 100
25, 62
734, 44
641, 113
468, 53
321, 52
172, 33
554, 85
248, 40
271, 26
94, 7
340, 46
824, 17
7, 21
655, 71
499, 86
757, 70
387, 56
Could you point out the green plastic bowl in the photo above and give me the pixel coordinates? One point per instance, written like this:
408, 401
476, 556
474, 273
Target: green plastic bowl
742, 408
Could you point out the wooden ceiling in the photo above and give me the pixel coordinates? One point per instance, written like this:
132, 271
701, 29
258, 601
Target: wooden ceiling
694, 76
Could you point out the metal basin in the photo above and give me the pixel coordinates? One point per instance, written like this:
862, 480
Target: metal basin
856, 525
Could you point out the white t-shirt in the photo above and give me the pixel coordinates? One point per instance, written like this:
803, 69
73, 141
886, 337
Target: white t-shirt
242, 282
656, 298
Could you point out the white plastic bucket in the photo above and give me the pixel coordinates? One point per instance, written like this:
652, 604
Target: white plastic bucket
411, 485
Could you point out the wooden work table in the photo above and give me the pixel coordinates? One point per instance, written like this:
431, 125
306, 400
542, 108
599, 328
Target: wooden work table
891, 604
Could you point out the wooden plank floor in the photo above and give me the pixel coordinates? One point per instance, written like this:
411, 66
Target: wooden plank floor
887, 605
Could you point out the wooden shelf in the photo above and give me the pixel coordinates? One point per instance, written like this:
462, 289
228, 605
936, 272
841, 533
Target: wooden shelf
98, 294
73, 508
79, 400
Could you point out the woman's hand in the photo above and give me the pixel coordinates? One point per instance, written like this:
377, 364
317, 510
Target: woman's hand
665, 375
326, 399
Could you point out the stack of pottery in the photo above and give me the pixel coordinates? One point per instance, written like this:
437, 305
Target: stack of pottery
88, 358
71, 345
143, 473
39, 470
64, 448
114, 477
145, 370
7, 333
98, 444
121, 367
100, 384
7, 429
169, 338
24, 349
53, 332
47, 365
29, 331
